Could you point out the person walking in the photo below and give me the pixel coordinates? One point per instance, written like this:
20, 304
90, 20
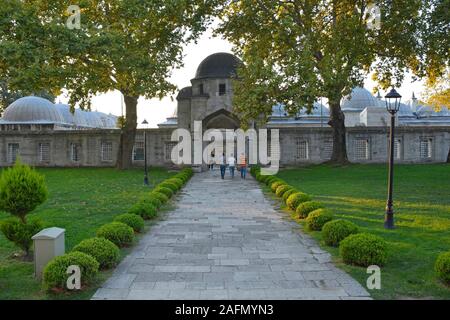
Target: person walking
212, 161
223, 165
243, 166
231, 164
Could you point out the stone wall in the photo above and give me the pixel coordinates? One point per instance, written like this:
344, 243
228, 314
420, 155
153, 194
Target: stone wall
298, 146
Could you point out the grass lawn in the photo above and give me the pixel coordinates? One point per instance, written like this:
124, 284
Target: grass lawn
422, 213
80, 201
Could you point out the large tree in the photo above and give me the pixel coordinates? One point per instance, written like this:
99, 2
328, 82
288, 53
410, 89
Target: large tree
295, 51
126, 45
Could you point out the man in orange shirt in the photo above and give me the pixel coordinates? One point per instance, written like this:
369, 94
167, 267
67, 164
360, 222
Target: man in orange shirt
243, 166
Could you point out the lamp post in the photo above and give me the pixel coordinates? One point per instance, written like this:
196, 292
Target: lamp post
392, 106
145, 123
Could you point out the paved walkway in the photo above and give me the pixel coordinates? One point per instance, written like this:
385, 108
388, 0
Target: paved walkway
225, 241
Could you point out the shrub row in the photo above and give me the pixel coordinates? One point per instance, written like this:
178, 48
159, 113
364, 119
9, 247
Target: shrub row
103, 251
355, 248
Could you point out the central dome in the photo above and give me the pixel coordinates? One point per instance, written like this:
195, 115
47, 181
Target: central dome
218, 65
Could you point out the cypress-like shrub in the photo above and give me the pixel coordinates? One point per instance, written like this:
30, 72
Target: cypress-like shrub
442, 267
20, 233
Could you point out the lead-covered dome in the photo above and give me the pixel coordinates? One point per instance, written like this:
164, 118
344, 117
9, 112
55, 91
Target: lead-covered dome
32, 109
360, 99
218, 65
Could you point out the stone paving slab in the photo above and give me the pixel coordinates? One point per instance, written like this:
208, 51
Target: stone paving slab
226, 241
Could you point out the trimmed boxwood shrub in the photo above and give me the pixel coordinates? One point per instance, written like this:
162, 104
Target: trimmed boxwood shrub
20, 233
131, 220
178, 182
117, 232
442, 267
104, 251
144, 209
55, 272
274, 186
165, 191
160, 196
282, 189
296, 199
183, 177
306, 207
364, 250
317, 219
270, 180
288, 193
153, 200
172, 186
334, 232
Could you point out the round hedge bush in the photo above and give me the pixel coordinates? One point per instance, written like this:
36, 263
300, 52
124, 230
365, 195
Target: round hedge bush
442, 267
258, 177
178, 182
306, 207
153, 200
317, 219
288, 193
160, 196
270, 180
166, 191
363, 249
296, 199
282, 189
131, 220
334, 232
104, 251
144, 209
117, 232
55, 272
274, 186
172, 186
183, 177
263, 178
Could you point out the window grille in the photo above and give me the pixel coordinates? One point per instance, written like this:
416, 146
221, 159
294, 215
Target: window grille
13, 152
107, 151
362, 149
44, 152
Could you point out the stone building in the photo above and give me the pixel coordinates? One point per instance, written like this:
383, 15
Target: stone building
47, 134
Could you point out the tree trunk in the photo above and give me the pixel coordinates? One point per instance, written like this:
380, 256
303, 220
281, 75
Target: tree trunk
337, 122
448, 156
128, 133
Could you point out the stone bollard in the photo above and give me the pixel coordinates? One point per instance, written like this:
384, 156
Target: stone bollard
48, 243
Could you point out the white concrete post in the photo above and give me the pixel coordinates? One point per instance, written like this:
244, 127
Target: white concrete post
48, 243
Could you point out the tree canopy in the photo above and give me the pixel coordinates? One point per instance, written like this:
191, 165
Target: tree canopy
299, 50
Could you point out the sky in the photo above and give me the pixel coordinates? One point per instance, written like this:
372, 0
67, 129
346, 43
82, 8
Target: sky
156, 111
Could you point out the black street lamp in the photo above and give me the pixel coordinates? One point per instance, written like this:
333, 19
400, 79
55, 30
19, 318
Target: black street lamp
393, 99
145, 123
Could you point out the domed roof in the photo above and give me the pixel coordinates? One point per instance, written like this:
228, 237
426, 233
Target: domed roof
405, 110
360, 99
218, 65
32, 109
185, 93
64, 111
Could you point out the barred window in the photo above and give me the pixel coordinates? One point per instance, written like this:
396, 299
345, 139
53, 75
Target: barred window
107, 151
13, 152
426, 148
75, 152
138, 151
302, 149
168, 150
44, 152
398, 149
275, 151
362, 149
327, 149
222, 89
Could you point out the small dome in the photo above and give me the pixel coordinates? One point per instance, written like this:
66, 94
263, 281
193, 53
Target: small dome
405, 110
32, 109
278, 111
360, 99
218, 65
185, 93
64, 111
425, 111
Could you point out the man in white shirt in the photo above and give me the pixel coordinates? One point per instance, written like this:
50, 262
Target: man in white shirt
231, 164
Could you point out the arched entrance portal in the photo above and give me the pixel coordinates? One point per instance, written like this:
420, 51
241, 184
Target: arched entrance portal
220, 120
